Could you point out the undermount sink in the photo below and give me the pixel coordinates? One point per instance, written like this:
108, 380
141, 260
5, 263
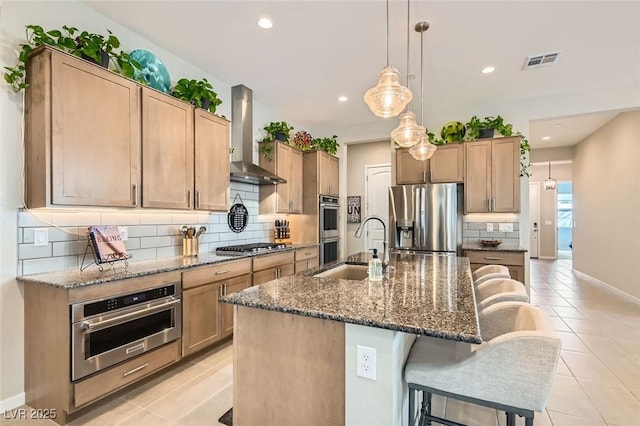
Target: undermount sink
345, 272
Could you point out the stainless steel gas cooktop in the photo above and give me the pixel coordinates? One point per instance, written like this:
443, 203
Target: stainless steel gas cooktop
249, 248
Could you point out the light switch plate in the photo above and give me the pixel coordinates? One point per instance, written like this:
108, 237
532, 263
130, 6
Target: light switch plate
40, 236
505, 227
489, 227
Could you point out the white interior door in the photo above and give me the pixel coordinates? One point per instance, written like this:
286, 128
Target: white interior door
377, 181
534, 219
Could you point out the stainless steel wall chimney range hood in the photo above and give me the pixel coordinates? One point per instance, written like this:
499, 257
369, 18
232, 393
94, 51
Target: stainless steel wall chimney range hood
242, 167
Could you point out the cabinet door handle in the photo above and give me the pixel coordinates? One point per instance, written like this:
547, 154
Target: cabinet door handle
197, 200
189, 198
135, 194
221, 290
225, 288
431, 175
493, 204
488, 204
492, 258
308, 265
222, 272
135, 370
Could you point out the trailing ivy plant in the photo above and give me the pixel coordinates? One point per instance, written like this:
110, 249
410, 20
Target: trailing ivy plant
275, 130
82, 44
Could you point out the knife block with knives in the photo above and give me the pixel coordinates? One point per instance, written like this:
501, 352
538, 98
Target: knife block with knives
282, 232
190, 242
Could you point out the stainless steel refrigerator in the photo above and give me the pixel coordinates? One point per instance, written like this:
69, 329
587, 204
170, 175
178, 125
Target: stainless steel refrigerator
426, 217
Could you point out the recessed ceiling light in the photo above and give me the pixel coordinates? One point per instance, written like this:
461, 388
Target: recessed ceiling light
546, 138
488, 70
343, 99
265, 23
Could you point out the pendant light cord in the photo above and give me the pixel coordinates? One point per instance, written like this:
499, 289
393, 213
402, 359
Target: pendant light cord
408, 16
421, 79
387, 33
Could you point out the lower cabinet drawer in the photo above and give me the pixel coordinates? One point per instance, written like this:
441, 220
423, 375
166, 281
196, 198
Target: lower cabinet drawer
495, 257
305, 265
114, 378
307, 253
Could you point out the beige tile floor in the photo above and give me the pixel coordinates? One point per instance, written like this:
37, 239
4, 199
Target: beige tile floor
597, 381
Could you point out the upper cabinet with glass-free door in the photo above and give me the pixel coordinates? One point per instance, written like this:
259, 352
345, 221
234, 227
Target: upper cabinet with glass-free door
82, 133
492, 176
445, 166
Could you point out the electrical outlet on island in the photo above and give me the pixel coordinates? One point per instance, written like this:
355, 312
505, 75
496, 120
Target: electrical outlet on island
489, 227
366, 362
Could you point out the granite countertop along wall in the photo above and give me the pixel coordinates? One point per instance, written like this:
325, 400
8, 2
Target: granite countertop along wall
73, 278
426, 294
501, 247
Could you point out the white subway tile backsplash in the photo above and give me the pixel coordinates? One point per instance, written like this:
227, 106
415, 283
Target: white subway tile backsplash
50, 264
148, 242
472, 233
169, 251
74, 218
120, 218
69, 248
132, 244
143, 231
29, 251
33, 218
184, 219
143, 254
155, 218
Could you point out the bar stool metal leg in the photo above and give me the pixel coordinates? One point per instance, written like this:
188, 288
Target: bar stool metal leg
412, 398
511, 419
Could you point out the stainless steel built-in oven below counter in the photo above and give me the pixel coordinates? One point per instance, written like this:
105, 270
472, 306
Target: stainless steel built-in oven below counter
107, 331
328, 232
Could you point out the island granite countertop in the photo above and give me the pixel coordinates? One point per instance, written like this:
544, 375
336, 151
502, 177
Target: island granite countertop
425, 294
73, 278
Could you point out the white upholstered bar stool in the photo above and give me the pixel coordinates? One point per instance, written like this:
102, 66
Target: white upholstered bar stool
487, 272
511, 371
498, 290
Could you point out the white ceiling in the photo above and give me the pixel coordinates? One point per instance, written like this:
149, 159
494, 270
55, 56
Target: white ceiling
319, 50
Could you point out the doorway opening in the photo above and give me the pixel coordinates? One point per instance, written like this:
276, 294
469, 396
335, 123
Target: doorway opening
565, 219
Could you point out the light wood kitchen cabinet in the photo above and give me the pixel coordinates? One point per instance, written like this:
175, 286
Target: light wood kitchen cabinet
167, 151
232, 286
285, 162
513, 260
205, 320
307, 258
272, 266
82, 133
492, 176
328, 174
211, 161
445, 166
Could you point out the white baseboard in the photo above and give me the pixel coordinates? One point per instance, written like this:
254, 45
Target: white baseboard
603, 284
12, 402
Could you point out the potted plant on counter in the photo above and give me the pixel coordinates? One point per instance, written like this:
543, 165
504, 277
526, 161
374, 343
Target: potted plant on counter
197, 92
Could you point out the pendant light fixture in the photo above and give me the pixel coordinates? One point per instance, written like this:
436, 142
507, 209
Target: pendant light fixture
550, 183
408, 132
423, 150
388, 98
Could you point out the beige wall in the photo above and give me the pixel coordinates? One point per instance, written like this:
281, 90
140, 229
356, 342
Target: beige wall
548, 225
358, 156
606, 185
564, 153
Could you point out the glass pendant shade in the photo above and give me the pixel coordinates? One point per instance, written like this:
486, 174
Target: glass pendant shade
408, 132
388, 98
550, 183
423, 150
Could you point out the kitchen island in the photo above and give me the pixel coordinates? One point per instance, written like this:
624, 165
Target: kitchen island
296, 339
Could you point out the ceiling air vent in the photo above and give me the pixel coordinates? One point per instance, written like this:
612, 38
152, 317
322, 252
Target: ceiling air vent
538, 61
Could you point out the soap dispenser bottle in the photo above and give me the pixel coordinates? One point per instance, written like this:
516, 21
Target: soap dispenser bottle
375, 267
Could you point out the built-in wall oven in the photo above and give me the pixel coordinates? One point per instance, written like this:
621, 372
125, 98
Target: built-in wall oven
107, 331
328, 233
